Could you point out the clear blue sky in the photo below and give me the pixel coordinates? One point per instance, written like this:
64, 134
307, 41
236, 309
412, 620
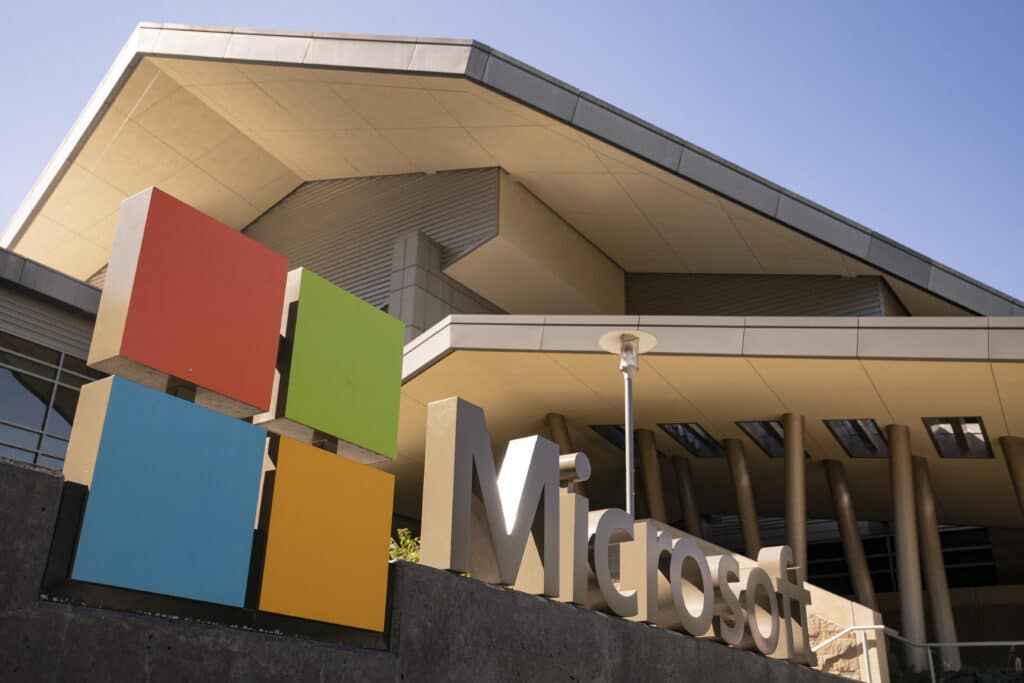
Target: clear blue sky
905, 116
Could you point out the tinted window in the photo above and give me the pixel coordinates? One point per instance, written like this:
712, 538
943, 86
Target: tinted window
23, 398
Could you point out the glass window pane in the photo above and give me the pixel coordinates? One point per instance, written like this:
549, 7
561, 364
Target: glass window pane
23, 346
19, 437
52, 463
23, 399
20, 363
55, 447
63, 413
78, 365
16, 454
73, 380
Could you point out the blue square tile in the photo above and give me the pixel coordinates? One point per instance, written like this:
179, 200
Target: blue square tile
172, 499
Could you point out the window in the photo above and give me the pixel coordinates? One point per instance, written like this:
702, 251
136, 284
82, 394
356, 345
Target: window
859, 438
769, 435
959, 437
38, 396
614, 434
694, 438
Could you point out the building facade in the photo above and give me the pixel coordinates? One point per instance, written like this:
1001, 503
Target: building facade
813, 382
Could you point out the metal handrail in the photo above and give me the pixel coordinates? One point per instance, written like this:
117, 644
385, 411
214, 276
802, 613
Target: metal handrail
893, 633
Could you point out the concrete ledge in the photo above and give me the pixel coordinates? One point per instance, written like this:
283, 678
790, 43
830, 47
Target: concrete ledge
442, 627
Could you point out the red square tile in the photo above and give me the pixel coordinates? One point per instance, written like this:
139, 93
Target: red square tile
187, 297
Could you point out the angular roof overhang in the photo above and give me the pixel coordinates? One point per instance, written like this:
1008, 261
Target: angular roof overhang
232, 120
717, 371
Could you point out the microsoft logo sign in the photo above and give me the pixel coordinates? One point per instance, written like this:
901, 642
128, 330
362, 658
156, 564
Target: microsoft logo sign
226, 455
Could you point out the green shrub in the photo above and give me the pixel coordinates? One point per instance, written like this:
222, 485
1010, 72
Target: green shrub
407, 547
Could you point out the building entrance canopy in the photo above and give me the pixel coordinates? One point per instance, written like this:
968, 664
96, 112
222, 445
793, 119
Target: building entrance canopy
717, 372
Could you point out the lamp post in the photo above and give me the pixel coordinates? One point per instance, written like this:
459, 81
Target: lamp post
628, 345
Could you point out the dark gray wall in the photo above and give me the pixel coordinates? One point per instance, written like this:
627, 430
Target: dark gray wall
44, 306
345, 230
441, 627
796, 295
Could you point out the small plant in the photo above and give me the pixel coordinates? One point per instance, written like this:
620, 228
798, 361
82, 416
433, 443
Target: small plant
407, 547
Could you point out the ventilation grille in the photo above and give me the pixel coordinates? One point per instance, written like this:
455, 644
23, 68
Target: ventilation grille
796, 295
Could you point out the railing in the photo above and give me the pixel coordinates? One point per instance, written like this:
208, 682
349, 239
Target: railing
892, 633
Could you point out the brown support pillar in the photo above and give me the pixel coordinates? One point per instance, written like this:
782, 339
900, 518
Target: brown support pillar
853, 546
687, 499
559, 432
1013, 453
908, 561
651, 470
796, 489
745, 506
934, 566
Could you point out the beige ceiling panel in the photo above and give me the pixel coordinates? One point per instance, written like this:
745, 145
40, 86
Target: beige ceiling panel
45, 236
1009, 379
102, 233
315, 155
395, 107
575, 193
56, 246
200, 190
655, 400
475, 110
345, 77
780, 250
247, 106
81, 200
726, 387
525, 149
617, 160
656, 196
192, 72
629, 240
439, 149
132, 159
147, 86
705, 243
275, 191
315, 106
186, 124
244, 167
822, 389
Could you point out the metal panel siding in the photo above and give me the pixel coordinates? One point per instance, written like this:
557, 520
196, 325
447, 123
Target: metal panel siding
345, 230
98, 278
686, 294
44, 323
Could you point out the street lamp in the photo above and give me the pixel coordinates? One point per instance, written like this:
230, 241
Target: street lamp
628, 345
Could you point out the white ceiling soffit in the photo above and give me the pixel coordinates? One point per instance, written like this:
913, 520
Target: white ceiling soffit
717, 371
233, 120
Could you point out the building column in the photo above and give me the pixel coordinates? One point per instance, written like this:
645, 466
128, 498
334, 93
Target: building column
651, 471
908, 561
559, 431
796, 489
687, 499
1013, 453
853, 546
934, 566
745, 506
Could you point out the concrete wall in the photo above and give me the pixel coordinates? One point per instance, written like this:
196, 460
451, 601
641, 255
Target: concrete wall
441, 627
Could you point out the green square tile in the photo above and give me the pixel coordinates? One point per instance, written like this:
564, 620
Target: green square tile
345, 372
